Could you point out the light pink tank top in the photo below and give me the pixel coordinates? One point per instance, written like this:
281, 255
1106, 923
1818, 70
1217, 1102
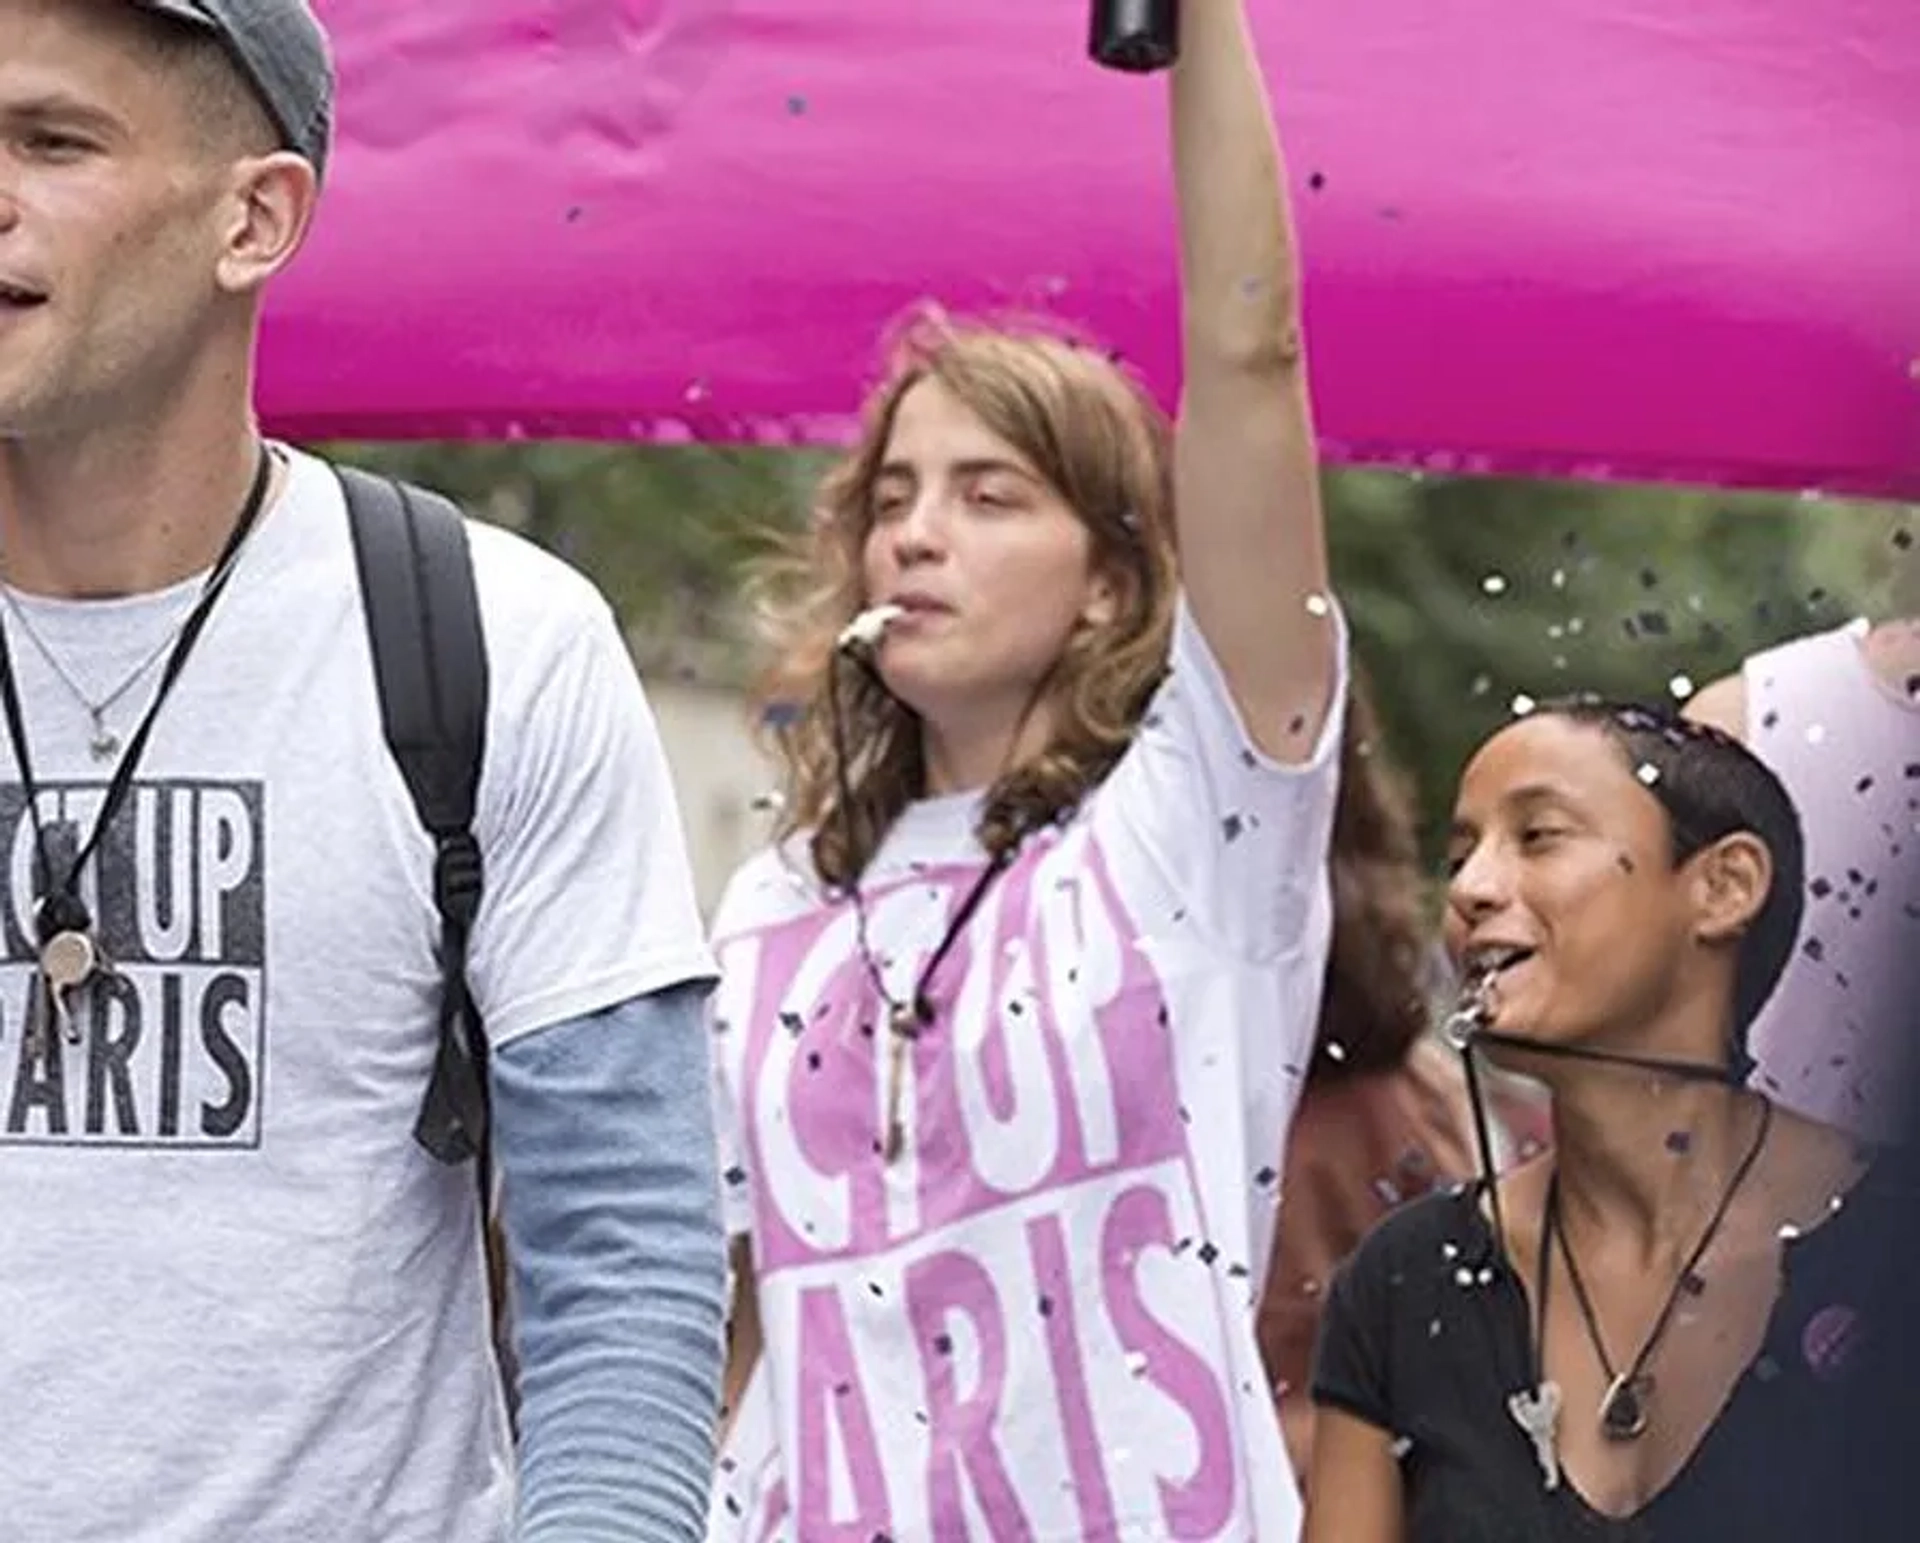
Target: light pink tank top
1834, 1042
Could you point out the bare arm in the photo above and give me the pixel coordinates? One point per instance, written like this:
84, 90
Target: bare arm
1722, 705
1354, 1494
743, 1335
1246, 478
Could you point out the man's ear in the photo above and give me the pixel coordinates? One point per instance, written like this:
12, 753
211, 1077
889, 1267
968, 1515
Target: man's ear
269, 211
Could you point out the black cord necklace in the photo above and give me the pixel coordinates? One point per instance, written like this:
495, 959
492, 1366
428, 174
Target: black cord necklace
1535, 1408
908, 1020
69, 952
1623, 1411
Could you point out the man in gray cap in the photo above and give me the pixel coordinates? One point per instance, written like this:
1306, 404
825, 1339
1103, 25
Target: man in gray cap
238, 1304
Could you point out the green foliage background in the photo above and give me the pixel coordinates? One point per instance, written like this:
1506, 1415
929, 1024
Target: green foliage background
1463, 594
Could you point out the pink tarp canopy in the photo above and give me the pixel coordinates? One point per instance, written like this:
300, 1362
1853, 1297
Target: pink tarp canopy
1672, 239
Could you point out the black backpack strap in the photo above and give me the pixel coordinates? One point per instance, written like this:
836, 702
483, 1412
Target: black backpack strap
429, 656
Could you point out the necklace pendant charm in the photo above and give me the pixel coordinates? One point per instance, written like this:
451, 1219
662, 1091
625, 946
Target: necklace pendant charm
1623, 1412
1537, 1413
105, 744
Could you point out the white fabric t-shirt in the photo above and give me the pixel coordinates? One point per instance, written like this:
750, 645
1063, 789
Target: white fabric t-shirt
1834, 1041
240, 1304
1037, 1323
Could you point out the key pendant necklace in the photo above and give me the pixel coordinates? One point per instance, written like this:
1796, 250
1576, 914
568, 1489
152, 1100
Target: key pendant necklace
69, 955
1624, 1408
1537, 1413
907, 1021
1536, 1409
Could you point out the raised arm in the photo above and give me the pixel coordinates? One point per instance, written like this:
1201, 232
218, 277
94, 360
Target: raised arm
1246, 481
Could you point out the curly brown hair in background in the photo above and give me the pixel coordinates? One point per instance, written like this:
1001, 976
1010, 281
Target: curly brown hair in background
1383, 1117
1376, 1004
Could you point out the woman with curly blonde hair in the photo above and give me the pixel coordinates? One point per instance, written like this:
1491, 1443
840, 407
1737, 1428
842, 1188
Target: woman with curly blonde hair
1013, 1012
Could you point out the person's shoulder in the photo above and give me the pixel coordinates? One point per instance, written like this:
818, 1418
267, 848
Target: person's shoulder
523, 587
1817, 1172
774, 885
1438, 1236
1727, 703
1721, 704
1833, 650
526, 593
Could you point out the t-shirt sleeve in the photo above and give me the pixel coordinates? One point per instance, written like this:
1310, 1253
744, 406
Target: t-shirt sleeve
1350, 1357
589, 892
1241, 839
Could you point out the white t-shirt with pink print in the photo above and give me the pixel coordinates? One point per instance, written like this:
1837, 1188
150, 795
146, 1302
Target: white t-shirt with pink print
1036, 1322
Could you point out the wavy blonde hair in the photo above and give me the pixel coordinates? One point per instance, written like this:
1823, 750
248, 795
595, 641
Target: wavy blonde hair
1099, 442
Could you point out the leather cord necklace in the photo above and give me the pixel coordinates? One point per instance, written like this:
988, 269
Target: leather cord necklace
64, 928
908, 1020
1623, 1411
1535, 1407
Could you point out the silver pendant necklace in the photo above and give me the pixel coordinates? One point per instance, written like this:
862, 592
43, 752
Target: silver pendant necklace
1624, 1410
102, 744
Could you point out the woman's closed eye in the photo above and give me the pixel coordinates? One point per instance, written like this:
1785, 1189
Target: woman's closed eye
994, 496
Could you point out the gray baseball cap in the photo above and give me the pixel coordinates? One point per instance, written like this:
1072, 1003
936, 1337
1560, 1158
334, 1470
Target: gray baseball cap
281, 49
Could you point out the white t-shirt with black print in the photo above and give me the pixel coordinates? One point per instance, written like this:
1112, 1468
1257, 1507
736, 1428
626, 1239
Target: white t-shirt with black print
239, 1302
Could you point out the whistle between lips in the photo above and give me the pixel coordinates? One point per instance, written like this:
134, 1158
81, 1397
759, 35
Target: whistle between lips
864, 630
1473, 1012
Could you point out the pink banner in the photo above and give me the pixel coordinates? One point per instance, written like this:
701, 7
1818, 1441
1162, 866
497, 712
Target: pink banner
1630, 238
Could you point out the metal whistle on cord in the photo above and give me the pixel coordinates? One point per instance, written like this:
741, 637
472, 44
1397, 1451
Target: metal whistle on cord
1472, 1013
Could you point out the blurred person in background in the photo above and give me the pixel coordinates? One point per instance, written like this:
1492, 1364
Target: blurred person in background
1384, 1117
1837, 717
